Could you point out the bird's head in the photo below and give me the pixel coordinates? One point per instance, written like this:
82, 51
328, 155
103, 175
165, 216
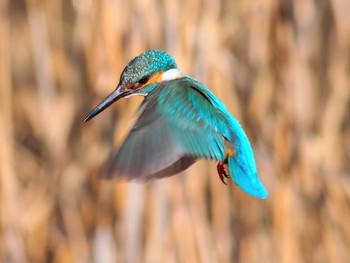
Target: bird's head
140, 76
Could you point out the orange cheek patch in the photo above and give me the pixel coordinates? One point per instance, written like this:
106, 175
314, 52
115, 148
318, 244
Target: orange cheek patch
157, 77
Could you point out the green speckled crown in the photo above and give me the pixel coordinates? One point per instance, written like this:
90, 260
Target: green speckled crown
147, 63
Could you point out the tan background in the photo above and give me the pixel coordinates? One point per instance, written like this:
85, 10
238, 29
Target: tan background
281, 67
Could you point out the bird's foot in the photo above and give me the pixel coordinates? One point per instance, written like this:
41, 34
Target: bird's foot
221, 171
221, 165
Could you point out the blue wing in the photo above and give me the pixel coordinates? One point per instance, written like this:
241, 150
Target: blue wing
171, 132
182, 120
242, 165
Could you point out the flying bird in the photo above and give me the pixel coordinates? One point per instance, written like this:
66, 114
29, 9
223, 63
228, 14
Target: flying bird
179, 121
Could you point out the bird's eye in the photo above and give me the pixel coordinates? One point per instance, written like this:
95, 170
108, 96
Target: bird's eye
144, 79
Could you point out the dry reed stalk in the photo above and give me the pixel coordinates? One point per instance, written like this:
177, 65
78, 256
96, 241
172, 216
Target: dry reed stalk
10, 190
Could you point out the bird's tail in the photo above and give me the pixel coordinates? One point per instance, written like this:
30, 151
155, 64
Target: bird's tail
245, 178
242, 166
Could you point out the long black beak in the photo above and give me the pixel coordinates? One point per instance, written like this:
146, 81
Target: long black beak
117, 94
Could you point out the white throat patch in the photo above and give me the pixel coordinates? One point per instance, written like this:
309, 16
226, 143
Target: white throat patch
171, 74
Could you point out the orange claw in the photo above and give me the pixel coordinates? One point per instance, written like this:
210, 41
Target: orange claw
221, 166
222, 172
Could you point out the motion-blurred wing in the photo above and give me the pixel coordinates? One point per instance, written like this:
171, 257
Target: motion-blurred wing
174, 129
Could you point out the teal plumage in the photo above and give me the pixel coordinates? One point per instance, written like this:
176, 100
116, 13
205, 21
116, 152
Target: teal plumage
180, 121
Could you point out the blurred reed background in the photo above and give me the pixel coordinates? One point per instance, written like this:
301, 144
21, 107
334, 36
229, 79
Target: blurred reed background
280, 66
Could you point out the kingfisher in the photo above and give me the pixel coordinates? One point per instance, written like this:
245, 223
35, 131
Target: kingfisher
179, 121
